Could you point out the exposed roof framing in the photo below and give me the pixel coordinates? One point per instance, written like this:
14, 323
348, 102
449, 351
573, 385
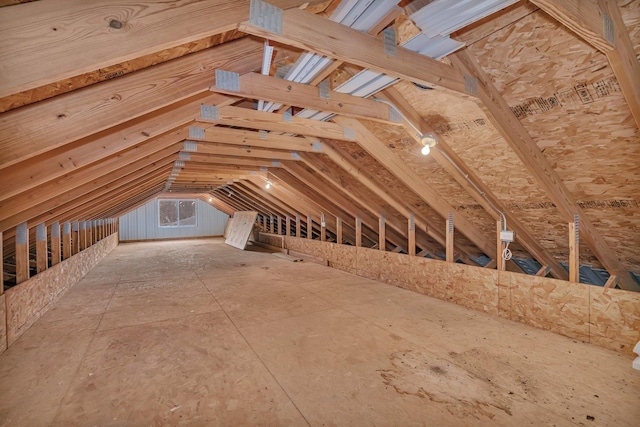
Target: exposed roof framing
128, 108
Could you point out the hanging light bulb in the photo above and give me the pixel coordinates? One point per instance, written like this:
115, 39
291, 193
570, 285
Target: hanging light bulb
268, 186
429, 140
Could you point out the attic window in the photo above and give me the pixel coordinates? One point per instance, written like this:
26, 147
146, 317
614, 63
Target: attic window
177, 213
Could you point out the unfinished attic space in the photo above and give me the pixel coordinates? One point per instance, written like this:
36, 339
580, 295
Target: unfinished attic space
320, 212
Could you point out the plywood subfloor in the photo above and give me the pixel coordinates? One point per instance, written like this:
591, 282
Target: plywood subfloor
199, 333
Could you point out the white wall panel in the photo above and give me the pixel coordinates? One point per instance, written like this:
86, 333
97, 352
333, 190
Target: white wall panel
142, 223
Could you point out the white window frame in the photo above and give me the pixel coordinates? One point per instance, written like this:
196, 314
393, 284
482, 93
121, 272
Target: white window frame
177, 203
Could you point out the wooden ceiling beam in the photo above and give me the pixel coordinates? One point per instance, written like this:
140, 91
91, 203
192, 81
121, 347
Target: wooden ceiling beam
600, 24
524, 146
23, 177
251, 139
101, 33
79, 114
463, 174
257, 86
310, 32
231, 161
254, 119
239, 151
103, 171
97, 205
379, 151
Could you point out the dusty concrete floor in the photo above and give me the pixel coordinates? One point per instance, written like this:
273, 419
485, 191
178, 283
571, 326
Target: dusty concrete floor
199, 333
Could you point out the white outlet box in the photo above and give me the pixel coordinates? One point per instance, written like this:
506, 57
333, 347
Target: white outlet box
507, 236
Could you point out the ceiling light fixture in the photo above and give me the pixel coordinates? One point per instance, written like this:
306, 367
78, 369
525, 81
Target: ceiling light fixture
428, 140
268, 186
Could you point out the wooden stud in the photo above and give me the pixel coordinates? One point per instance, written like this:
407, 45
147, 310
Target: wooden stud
75, 238
358, 231
339, 230
574, 250
450, 257
411, 233
82, 236
41, 248
22, 253
55, 243
288, 225
66, 240
382, 241
309, 227
280, 225
298, 226
323, 228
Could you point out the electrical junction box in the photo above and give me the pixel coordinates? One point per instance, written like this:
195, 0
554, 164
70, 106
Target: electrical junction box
507, 236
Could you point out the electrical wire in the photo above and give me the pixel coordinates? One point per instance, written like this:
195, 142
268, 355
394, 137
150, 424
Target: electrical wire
506, 253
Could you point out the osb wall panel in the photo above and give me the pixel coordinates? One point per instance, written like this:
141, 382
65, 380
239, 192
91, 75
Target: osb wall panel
3, 324
28, 301
342, 257
369, 262
550, 304
426, 276
606, 317
393, 268
615, 318
472, 287
271, 239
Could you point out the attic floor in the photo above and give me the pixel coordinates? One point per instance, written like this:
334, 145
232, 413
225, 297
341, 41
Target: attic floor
199, 333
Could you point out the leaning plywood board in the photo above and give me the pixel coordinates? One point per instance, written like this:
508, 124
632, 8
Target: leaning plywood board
227, 227
241, 228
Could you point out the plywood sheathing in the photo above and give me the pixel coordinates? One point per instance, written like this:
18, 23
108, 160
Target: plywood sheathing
606, 317
568, 99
